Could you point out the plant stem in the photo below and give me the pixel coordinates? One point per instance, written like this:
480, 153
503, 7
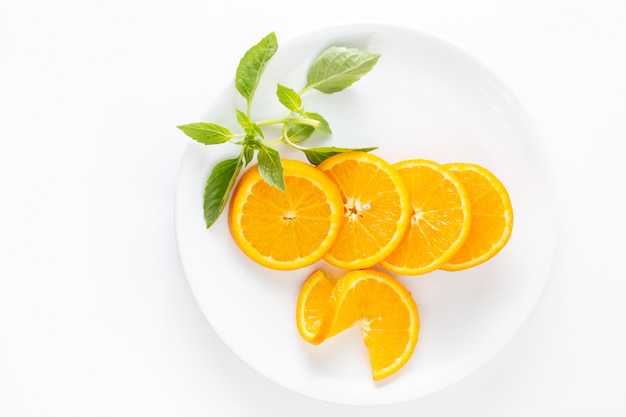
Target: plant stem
304, 90
294, 120
286, 139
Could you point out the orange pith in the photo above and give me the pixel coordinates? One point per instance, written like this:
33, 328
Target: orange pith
440, 218
286, 230
376, 209
378, 303
492, 216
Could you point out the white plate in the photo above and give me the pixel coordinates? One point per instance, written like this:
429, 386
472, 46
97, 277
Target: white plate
424, 99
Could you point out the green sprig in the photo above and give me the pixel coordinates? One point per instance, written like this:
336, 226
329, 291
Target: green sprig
335, 69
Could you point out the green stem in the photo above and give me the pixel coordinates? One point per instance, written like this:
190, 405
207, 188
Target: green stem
304, 90
293, 120
285, 139
274, 121
272, 142
308, 122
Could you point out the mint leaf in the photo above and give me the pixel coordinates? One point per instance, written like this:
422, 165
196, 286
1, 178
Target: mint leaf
324, 126
289, 98
337, 68
251, 142
206, 133
248, 154
297, 133
317, 155
251, 128
219, 186
252, 65
270, 167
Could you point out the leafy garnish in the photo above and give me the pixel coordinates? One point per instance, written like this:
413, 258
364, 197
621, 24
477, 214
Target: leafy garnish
317, 155
219, 186
252, 65
207, 133
270, 168
335, 69
289, 98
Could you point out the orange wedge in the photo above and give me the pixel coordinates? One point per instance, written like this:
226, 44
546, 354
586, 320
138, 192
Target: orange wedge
376, 209
375, 301
313, 307
492, 216
286, 230
440, 218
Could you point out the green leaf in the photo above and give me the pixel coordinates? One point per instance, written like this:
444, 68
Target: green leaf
299, 133
318, 155
251, 142
207, 133
338, 68
248, 154
251, 128
270, 167
324, 126
252, 65
218, 188
289, 98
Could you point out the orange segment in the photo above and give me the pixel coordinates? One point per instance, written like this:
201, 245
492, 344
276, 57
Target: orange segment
286, 230
440, 218
376, 209
313, 308
378, 303
492, 216
386, 313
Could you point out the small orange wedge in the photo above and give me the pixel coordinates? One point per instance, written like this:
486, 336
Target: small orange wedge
440, 218
492, 216
313, 307
376, 209
286, 230
375, 301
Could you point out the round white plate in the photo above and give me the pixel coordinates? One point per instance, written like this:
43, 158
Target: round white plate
424, 99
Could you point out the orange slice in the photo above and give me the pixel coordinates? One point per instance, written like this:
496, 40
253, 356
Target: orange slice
375, 301
386, 313
376, 209
313, 307
440, 218
492, 216
286, 230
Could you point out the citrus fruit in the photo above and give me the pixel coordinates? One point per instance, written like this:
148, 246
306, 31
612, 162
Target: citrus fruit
492, 216
375, 301
376, 209
385, 311
290, 229
313, 307
440, 218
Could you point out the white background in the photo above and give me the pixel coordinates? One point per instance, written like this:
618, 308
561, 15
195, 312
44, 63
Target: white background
96, 317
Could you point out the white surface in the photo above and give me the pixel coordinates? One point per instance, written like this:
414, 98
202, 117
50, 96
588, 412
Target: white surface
96, 317
442, 105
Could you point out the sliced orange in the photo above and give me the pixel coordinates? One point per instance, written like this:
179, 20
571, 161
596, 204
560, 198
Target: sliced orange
376, 209
386, 312
440, 218
290, 229
375, 301
492, 216
313, 307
